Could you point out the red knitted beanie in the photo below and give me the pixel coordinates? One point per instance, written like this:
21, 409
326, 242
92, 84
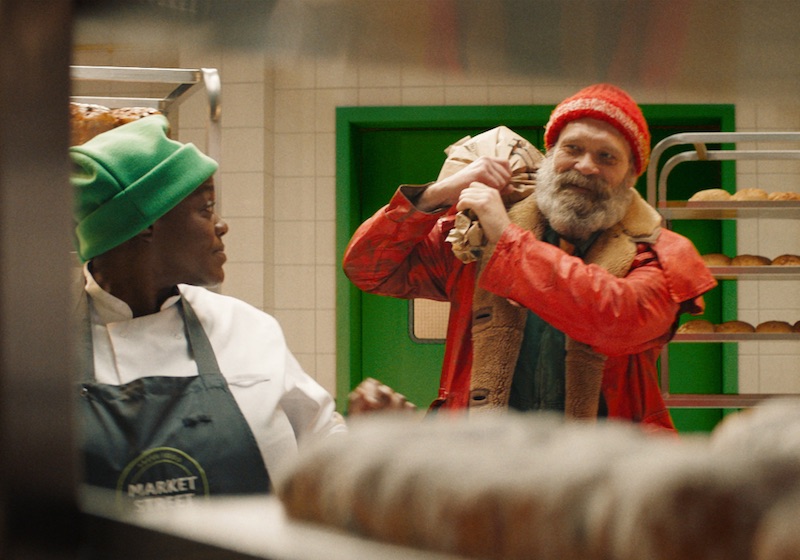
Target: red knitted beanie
606, 103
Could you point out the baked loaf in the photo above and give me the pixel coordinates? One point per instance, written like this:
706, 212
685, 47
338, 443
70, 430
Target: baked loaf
774, 327
710, 195
750, 194
696, 326
88, 120
716, 259
734, 327
786, 260
123, 115
513, 486
750, 260
783, 195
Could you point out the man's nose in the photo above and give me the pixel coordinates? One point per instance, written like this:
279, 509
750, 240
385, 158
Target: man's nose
586, 165
221, 226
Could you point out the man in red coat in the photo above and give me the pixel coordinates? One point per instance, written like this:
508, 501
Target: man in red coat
574, 290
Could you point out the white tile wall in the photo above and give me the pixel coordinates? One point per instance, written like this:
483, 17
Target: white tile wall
277, 180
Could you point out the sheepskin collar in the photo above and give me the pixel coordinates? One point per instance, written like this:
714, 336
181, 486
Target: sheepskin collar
497, 326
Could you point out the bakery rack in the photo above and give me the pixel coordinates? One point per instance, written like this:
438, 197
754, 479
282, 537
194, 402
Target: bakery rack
184, 82
721, 210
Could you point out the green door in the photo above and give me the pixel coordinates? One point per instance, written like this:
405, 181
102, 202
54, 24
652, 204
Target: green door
379, 149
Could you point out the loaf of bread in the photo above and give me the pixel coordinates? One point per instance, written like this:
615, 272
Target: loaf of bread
750, 260
696, 326
786, 260
88, 120
796, 327
750, 194
515, 486
784, 195
123, 115
774, 327
716, 259
708, 195
734, 327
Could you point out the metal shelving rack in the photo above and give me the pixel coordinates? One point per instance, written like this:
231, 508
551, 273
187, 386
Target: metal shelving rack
723, 210
186, 81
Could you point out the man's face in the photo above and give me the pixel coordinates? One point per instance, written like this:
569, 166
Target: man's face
584, 183
189, 237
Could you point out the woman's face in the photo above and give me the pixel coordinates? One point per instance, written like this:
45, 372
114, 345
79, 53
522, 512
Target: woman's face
189, 238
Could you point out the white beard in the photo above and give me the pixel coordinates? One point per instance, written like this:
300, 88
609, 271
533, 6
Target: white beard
576, 215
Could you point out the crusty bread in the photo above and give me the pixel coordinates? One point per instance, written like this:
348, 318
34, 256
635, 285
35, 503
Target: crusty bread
796, 327
786, 260
124, 115
710, 195
716, 259
750, 194
783, 195
88, 120
696, 326
774, 327
734, 327
750, 260
516, 487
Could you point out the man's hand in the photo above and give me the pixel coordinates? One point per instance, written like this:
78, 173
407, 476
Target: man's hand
485, 202
373, 396
493, 172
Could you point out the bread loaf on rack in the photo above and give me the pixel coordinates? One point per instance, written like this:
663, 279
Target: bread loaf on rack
784, 195
696, 326
774, 327
734, 327
88, 120
750, 194
750, 260
786, 260
708, 195
716, 259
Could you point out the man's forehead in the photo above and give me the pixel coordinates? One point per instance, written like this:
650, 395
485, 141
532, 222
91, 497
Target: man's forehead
589, 126
595, 130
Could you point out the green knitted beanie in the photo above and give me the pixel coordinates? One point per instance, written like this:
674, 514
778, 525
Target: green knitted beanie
127, 178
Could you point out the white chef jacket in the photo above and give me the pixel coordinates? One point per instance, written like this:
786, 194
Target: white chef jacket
282, 404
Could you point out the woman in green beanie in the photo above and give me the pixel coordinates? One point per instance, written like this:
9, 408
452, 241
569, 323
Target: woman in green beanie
185, 393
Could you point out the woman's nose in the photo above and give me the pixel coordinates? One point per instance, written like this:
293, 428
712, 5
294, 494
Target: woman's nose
221, 227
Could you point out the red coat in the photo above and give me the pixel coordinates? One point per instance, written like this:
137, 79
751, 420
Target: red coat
401, 252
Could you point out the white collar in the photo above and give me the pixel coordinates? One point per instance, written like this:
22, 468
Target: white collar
111, 309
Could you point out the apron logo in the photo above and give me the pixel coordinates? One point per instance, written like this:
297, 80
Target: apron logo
162, 478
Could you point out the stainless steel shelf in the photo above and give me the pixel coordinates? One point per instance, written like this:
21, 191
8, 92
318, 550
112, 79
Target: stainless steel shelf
185, 82
715, 401
729, 210
735, 337
722, 210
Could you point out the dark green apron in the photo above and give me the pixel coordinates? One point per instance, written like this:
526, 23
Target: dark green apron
166, 441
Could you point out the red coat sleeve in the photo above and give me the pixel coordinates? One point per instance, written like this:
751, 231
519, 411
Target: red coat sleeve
400, 252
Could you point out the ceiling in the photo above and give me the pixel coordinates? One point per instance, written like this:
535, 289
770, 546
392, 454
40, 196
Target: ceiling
748, 47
